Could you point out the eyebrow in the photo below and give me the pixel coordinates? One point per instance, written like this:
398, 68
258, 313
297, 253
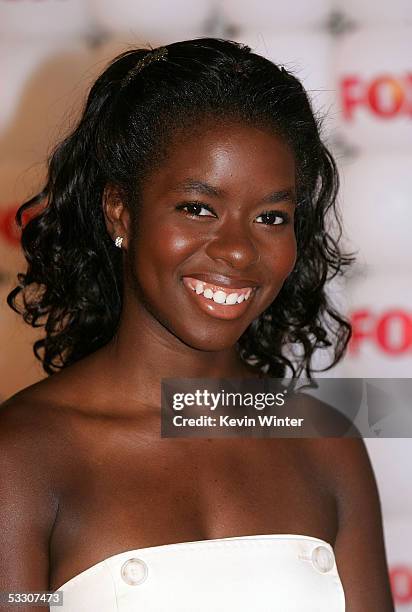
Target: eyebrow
190, 185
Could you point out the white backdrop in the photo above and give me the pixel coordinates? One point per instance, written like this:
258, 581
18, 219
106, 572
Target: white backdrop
353, 56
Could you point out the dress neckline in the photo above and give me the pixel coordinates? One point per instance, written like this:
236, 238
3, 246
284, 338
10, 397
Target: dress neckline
160, 547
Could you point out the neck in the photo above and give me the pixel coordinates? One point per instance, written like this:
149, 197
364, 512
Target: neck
143, 352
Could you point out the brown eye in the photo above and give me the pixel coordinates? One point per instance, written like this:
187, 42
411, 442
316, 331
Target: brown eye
273, 218
196, 209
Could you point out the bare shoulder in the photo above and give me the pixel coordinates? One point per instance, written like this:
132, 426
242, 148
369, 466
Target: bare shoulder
32, 442
330, 439
359, 546
32, 413
353, 478
36, 430
52, 401
33, 466
346, 462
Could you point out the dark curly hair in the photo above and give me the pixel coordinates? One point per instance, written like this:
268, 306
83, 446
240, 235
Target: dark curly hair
73, 284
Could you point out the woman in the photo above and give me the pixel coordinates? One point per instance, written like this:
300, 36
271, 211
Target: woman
182, 232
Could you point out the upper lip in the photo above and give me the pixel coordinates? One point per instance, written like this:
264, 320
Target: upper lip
224, 281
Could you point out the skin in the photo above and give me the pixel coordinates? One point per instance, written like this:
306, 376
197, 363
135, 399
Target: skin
85, 473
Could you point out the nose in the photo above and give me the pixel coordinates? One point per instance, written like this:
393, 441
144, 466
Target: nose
234, 246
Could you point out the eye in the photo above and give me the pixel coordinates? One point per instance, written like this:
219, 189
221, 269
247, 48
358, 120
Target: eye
197, 209
273, 217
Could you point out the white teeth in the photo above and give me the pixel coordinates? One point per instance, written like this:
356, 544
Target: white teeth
232, 298
219, 297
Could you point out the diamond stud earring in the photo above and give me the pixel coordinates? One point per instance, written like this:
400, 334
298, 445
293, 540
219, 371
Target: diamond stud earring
118, 241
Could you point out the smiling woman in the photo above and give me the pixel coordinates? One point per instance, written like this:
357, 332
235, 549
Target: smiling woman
183, 232
222, 242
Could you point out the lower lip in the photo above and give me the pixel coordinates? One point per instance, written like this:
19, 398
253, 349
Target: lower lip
219, 311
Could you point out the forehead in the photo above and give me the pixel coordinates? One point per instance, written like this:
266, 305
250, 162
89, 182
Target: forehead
230, 155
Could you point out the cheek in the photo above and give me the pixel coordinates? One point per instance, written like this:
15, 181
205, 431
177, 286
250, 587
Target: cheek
281, 257
161, 249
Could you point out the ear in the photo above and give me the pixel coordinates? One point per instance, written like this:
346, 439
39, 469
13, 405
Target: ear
116, 214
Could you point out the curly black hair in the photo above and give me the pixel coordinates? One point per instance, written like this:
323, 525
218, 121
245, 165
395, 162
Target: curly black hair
73, 284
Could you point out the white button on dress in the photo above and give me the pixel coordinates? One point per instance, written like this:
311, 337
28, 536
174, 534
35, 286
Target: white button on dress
134, 571
323, 559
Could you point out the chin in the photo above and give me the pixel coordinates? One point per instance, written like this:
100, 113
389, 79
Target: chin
209, 340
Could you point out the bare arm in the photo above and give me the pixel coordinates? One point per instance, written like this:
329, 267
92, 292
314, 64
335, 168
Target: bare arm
359, 547
28, 504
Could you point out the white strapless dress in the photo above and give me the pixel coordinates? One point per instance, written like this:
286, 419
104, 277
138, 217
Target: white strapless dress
260, 573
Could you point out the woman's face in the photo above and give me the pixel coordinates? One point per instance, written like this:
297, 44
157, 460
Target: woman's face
215, 238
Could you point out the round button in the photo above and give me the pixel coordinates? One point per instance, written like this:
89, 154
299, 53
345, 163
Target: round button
323, 559
134, 571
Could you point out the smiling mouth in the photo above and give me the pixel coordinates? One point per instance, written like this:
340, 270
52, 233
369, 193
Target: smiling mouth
217, 301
